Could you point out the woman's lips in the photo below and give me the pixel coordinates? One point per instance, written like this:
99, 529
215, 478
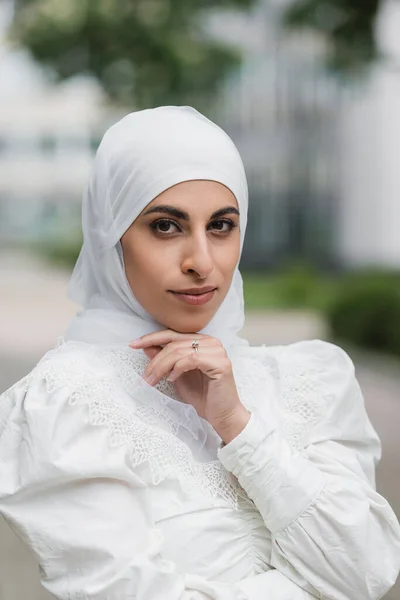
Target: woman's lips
195, 299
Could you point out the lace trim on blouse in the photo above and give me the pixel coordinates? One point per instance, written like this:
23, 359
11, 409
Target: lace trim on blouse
107, 380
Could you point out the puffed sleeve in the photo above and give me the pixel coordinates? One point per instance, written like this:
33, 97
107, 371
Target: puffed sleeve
86, 515
333, 534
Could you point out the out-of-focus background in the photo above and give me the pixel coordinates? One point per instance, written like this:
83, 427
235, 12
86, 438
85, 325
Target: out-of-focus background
309, 90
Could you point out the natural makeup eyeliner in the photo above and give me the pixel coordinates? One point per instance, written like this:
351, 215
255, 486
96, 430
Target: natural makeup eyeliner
155, 224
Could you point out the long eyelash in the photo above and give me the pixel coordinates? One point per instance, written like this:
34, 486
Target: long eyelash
158, 221
229, 222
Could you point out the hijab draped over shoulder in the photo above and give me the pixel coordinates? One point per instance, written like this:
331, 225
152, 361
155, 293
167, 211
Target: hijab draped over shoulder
139, 157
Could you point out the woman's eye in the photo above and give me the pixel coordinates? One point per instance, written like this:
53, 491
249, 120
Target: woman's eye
164, 226
222, 225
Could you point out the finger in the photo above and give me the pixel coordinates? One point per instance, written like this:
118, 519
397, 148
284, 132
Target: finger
207, 364
163, 364
152, 351
166, 336
174, 350
164, 351
179, 345
180, 348
168, 354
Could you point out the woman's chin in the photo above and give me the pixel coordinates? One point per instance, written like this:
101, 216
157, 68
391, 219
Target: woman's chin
189, 325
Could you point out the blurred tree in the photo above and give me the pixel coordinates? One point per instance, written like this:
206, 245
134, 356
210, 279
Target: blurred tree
347, 25
145, 52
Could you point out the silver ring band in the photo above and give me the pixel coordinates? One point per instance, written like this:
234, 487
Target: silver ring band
195, 346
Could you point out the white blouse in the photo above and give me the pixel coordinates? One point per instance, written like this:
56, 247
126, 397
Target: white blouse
122, 495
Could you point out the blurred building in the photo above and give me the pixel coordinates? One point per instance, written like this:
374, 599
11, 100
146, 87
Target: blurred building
322, 160
281, 110
47, 138
369, 183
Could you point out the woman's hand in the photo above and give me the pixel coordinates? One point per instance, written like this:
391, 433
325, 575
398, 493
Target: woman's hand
203, 379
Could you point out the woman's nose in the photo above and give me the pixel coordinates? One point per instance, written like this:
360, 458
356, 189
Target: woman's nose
198, 258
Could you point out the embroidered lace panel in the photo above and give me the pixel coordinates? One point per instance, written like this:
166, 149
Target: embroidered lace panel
107, 380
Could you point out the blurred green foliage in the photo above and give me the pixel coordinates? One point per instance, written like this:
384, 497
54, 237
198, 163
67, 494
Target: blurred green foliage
361, 308
151, 52
62, 251
295, 285
347, 26
143, 52
366, 312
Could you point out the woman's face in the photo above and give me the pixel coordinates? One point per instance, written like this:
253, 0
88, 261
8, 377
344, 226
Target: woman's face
186, 239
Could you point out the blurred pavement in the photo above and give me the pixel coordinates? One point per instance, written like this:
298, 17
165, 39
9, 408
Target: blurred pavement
34, 313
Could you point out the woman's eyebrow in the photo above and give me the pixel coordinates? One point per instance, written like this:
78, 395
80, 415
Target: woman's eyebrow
228, 210
180, 214
169, 210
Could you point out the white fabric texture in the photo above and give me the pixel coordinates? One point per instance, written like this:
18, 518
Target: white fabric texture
142, 155
120, 497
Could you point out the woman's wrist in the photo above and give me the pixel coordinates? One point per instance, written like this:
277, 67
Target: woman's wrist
231, 426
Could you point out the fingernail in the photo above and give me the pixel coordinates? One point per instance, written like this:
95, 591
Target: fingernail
135, 342
150, 380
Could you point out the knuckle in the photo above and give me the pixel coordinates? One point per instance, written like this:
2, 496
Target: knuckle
172, 348
227, 364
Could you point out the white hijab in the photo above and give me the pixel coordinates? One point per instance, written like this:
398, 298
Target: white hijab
139, 157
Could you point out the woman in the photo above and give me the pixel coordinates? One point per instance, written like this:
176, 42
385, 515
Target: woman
154, 454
